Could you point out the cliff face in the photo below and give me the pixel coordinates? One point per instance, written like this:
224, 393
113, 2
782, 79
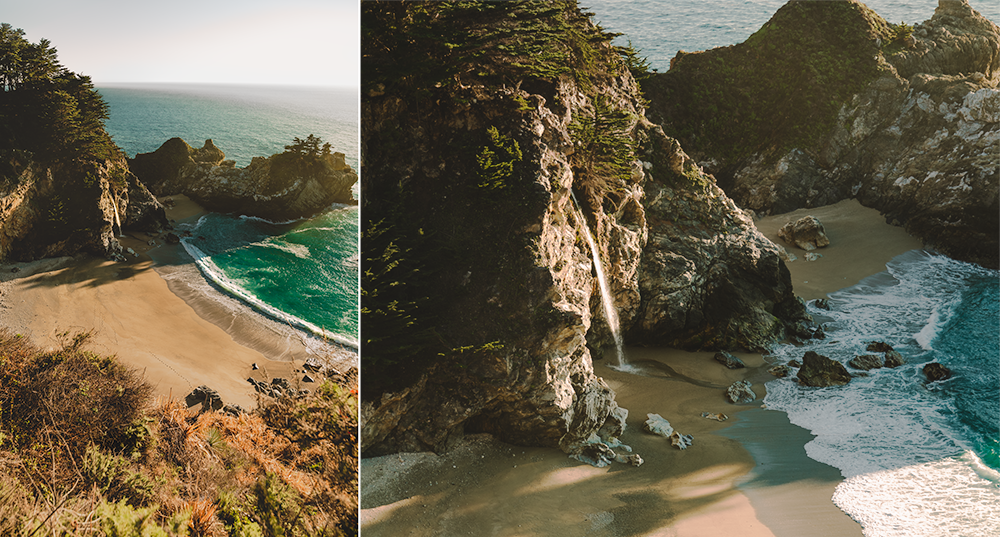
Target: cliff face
480, 300
903, 119
281, 187
55, 210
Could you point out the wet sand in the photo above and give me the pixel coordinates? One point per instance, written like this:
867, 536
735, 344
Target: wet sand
157, 314
748, 476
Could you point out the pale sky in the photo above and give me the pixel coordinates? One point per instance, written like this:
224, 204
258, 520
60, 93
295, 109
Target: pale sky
275, 42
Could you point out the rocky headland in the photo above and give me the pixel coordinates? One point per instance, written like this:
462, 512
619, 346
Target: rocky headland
301, 182
480, 302
828, 101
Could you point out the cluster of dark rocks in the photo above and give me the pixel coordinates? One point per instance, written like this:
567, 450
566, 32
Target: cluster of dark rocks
820, 371
210, 400
278, 387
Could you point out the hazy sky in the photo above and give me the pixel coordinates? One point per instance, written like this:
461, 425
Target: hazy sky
286, 42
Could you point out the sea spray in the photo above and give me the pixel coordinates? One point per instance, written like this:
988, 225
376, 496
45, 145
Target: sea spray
610, 312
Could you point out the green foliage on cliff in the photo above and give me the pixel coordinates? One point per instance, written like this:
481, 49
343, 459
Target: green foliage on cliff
497, 159
780, 89
45, 108
450, 172
607, 150
427, 45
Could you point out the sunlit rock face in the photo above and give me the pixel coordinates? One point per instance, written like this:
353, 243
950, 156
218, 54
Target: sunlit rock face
57, 210
277, 188
480, 287
906, 122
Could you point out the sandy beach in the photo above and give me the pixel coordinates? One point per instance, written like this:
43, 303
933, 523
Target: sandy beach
158, 315
748, 475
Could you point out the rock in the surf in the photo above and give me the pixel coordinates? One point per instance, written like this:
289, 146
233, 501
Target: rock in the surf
866, 362
780, 371
820, 371
878, 346
894, 359
935, 372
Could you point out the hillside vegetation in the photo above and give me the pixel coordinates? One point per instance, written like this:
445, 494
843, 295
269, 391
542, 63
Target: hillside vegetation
84, 450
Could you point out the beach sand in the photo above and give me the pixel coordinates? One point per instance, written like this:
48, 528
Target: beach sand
158, 315
748, 475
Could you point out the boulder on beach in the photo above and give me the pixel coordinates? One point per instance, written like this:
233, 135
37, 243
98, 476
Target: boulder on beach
820, 371
807, 233
658, 425
209, 398
729, 360
740, 393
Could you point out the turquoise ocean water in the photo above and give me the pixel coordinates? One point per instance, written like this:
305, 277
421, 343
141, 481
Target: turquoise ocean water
918, 459
302, 273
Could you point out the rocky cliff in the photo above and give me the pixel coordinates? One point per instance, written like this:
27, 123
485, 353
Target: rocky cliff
281, 187
827, 101
51, 210
481, 122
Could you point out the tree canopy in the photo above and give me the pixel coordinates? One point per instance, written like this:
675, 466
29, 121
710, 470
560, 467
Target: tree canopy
44, 107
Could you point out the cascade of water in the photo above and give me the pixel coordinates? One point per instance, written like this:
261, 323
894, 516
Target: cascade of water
118, 222
610, 312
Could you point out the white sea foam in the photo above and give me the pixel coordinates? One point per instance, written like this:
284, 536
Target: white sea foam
941, 497
219, 278
904, 445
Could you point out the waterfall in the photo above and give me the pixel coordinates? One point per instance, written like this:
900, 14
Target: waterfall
610, 312
118, 222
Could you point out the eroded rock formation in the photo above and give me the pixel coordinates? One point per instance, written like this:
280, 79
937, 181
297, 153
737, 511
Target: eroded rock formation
907, 123
480, 288
56, 210
281, 187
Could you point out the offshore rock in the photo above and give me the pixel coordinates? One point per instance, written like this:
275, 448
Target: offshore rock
60, 210
807, 233
282, 187
878, 346
893, 359
935, 372
819, 371
911, 128
867, 362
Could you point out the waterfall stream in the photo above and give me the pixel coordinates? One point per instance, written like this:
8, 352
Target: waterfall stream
118, 222
610, 311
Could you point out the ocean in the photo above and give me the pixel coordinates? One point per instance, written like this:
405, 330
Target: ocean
303, 273
919, 459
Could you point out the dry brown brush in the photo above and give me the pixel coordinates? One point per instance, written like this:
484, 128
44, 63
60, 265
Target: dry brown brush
85, 451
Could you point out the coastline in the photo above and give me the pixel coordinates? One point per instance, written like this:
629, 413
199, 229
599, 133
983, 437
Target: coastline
158, 314
749, 474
